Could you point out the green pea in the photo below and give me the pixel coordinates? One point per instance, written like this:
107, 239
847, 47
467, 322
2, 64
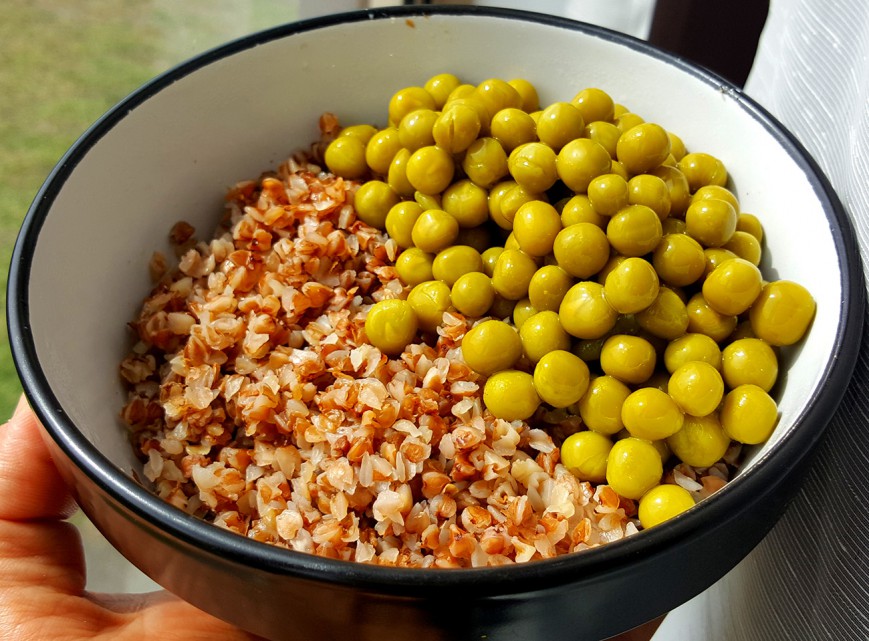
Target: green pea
541, 334
491, 346
391, 325
429, 301
510, 395
548, 287
455, 261
434, 230
512, 274
472, 294
414, 266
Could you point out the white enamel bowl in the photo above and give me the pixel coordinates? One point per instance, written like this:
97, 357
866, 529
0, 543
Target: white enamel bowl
170, 150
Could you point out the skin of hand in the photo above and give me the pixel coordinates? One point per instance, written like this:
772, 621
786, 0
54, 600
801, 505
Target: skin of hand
42, 565
42, 591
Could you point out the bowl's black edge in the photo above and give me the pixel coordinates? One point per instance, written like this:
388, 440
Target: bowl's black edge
789, 452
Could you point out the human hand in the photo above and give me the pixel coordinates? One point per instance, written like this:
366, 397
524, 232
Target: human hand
43, 595
42, 591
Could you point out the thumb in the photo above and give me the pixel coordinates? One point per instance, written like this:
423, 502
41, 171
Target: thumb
30, 485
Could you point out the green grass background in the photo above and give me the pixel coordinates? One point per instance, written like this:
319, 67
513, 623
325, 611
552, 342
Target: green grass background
65, 62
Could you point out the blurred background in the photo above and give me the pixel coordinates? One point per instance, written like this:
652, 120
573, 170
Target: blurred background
65, 62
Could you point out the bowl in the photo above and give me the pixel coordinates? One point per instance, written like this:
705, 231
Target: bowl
172, 148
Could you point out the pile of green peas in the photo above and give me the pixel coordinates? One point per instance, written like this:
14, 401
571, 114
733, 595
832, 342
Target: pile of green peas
614, 272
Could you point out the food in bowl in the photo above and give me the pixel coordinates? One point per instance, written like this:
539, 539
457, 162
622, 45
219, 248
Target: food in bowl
489, 333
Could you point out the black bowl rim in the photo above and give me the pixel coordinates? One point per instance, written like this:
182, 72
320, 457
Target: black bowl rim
721, 507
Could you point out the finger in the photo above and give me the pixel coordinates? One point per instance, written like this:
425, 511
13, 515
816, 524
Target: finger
30, 485
160, 614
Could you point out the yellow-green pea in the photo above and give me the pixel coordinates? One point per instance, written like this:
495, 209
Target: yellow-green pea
716, 192
692, 347
429, 301
643, 147
491, 346
711, 221
585, 455
608, 194
490, 257
578, 209
472, 294
440, 87
497, 94
532, 165
513, 127
701, 442
485, 162
667, 317
651, 191
601, 405
633, 467
434, 230
548, 287
467, 203
702, 319
527, 92
604, 133
702, 169
362, 132
512, 274
427, 201
400, 220
662, 503
560, 123
560, 378
749, 361
502, 308
430, 169
415, 129
696, 387
744, 245
453, 262
406, 100
584, 312
345, 157
679, 260
396, 176
651, 414
505, 198
414, 266
535, 226
472, 101
541, 334
381, 149
373, 200
631, 286
733, 286
677, 185
522, 311
391, 325
594, 104
456, 128
631, 359
580, 161
750, 223
634, 231
782, 313
677, 146
510, 395
581, 249
749, 414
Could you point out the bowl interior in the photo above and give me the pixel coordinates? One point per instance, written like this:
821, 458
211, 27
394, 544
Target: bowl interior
171, 150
